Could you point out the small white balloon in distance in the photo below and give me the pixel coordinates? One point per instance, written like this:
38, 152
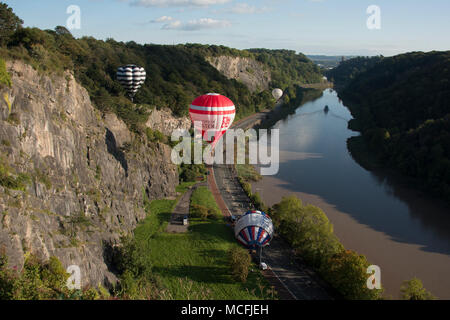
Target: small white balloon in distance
277, 93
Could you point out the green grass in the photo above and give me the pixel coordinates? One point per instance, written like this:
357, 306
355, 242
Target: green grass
195, 265
248, 172
184, 186
203, 197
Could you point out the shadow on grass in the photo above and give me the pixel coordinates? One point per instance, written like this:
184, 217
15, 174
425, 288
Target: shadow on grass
212, 230
197, 273
220, 256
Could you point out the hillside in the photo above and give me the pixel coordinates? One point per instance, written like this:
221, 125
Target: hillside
401, 106
175, 74
346, 71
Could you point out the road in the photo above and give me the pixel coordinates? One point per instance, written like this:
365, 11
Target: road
292, 278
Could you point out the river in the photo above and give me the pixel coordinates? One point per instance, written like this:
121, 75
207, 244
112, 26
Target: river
403, 231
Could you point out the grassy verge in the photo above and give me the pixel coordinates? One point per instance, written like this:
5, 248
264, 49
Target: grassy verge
195, 265
248, 172
204, 198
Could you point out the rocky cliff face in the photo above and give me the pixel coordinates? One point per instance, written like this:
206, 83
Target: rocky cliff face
250, 72
163, 120
80, 177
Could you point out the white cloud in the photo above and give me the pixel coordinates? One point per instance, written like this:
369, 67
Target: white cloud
198, 24
245, 8
162, 19
176, 3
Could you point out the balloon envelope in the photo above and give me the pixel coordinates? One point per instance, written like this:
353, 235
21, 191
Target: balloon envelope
254, 229
277, 93
213, 114
131, 77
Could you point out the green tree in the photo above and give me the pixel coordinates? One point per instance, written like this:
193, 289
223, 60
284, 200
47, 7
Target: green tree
346, 272
307, 229
414, 290
9, 23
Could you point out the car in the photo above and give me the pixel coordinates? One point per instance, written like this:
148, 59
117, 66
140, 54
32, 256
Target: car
263, 266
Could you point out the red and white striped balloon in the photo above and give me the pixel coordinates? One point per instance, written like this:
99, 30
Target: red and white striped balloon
216, 114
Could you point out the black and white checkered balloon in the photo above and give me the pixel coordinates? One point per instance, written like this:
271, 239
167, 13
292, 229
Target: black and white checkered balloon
131, 77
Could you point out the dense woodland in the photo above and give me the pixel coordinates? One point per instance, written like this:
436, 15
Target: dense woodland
401, 105
348, 70
175, 74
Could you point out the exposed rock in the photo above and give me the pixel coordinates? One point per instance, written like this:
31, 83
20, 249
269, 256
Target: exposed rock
163, 120
88, 174
249, 71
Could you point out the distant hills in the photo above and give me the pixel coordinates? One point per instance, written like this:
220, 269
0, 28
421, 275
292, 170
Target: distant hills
328, 62
175, 74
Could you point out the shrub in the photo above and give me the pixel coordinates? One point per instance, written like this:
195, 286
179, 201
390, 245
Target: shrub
414, 290
8, 180
38, 280
5, 78
307, 229
155, 135
346, 272
240, 261
199, 211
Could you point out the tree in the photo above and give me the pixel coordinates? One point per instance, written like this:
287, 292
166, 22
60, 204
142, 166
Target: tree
62, 31
9, 23
414, 290
307, 229
347, 272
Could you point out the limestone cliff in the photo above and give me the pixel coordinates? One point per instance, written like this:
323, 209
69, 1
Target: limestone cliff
84, 174
249, 71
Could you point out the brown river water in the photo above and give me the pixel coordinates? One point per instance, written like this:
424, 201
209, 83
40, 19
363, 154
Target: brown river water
398, 228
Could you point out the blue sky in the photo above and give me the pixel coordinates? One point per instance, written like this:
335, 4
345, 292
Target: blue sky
332, 27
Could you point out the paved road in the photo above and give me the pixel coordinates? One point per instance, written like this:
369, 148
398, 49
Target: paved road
294, 279
235, 198
180, 211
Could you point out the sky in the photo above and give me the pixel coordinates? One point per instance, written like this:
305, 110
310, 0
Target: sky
329, 27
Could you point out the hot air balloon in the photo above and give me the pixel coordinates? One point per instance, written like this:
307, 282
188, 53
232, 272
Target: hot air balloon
254, 229
131, 77
277, 93
215, 113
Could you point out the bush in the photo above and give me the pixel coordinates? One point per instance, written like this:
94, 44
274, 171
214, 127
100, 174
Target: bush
38, 280
414, 290
199, 211
5, 77
191, 172
307, 229
8, 180
240, 261
346, 271
155, 136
